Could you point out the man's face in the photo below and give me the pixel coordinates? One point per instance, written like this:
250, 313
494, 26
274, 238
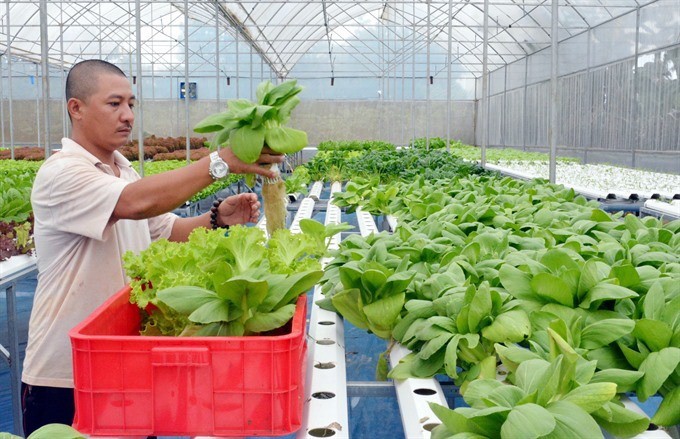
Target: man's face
107, 115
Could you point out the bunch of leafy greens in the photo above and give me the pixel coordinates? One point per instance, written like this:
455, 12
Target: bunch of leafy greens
297, 182
554, 398
247, 125
224, 285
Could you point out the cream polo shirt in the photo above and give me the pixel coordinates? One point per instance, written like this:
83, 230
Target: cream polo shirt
79, 253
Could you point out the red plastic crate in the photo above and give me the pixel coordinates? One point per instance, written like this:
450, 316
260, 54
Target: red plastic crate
128, 384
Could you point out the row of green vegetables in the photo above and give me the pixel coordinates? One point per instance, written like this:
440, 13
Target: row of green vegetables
335, 161
16, 183
576, 304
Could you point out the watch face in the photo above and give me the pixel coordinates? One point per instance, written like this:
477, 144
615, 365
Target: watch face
219, 169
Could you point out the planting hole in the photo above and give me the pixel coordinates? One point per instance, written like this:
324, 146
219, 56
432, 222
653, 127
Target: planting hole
652, 427
424, 392
321, 432
430, 426
326, 323
325, 341
323, 395
330, 365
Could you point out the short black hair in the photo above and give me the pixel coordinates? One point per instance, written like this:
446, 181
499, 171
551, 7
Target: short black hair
81, 81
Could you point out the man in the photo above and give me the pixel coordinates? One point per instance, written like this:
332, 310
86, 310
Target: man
91, 207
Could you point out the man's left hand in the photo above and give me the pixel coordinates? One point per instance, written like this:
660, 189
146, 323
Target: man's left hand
239, 209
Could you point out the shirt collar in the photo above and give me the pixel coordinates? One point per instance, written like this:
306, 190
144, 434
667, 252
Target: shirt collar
70, 146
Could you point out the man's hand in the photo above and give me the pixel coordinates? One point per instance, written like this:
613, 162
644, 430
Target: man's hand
239, 209
237, 166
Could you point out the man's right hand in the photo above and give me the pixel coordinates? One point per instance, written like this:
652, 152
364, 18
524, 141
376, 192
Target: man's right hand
237, 166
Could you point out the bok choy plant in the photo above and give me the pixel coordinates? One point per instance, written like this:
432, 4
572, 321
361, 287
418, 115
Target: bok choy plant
553, 398
248, 126
224, 285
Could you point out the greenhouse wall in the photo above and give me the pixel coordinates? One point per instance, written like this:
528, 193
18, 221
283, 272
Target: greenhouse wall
392, 121
618, 94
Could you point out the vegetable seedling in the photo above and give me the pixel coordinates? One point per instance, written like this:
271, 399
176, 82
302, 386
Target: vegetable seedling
248, 126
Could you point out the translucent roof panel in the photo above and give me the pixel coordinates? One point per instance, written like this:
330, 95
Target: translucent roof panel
379, 36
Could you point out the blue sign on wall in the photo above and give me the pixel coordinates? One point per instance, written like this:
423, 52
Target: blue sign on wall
191, 92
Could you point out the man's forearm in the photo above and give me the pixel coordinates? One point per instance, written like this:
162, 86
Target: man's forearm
161, 193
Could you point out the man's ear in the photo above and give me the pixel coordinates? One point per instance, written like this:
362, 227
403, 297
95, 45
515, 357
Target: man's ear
75, 108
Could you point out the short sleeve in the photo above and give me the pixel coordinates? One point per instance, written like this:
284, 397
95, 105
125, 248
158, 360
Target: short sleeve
161, 226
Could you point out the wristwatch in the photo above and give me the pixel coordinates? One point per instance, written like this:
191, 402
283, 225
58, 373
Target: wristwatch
218, 167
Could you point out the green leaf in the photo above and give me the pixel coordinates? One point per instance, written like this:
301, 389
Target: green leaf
505, 396
286, 108
528, 421
625, 380
381, 368
214, 122
622, 422
244, 291
433, 346
512, 326
285, 140
654, 302
480, 307
247, 143
655, 334
592, 273
452, 419
222, 329
488, 421
549, 383
668, 413
552, 288
517, 282
633, 357
262, 90
572, 422
350, 275
512, 356
657, 367
382, 314
277, 94
451, 357
479, 389
591, 397
558, 260
186, 299
52, 431
626, 274
606, 291
604, 332
347, 303
529, 374
211, 312
371, 281
262, 322
286, 290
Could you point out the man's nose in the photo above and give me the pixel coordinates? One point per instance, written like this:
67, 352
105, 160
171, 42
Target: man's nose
128, 115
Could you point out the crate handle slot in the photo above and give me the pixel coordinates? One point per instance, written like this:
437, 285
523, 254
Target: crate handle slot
180, 356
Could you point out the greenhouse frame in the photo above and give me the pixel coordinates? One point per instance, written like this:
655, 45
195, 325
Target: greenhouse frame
480, 203
615, 96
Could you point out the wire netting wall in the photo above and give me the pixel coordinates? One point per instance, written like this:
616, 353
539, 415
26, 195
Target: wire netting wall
618, 94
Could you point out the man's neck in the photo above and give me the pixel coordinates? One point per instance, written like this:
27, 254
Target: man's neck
104, 155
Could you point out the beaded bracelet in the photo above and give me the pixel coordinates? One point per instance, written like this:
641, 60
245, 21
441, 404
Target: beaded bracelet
213, 215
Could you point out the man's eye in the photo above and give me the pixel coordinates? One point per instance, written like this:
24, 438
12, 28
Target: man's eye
114, 104
132, 106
